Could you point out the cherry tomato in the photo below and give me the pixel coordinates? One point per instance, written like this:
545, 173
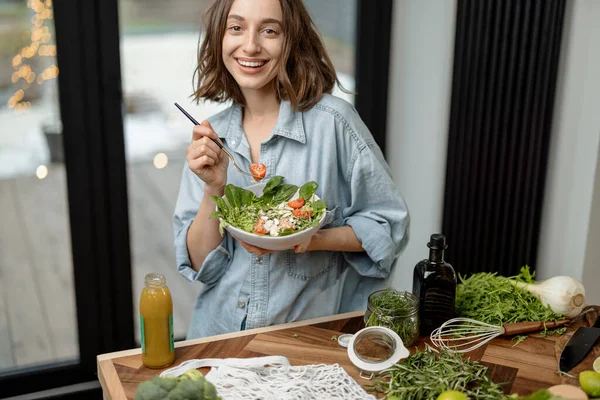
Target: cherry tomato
298, 203
259, 227
258, 170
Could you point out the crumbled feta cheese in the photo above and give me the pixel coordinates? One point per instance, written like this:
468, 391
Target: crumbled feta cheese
285, 223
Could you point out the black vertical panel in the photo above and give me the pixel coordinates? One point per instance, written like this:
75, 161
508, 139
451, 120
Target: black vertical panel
505, 64
372, 55
87, 35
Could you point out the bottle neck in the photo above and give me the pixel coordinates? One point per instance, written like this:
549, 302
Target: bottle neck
436, 255
154, 285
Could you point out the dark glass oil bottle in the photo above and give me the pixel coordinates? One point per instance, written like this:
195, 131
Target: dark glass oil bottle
434, 284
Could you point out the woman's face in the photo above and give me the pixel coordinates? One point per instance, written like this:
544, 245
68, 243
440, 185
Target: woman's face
253, 42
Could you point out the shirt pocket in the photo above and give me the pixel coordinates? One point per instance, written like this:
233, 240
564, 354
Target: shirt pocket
311, 264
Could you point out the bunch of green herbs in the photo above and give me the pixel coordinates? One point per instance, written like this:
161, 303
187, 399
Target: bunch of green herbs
426, 374
241, 208
490, 298
397, 311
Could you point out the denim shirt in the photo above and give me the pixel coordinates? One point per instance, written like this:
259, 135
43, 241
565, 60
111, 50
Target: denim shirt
328, 144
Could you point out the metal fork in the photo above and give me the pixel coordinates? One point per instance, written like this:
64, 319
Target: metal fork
217, 143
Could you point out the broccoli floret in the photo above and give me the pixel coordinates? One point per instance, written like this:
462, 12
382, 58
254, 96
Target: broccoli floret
210, 392
149, 391
191, 390
167, 383
189, 386
175, 394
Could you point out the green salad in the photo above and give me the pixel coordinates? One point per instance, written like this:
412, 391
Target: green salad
277, 212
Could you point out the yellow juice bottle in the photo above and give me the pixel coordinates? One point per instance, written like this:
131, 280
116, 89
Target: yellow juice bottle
156, 322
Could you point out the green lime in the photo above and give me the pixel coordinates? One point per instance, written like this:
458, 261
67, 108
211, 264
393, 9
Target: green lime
596, 364
452, 395
590, 383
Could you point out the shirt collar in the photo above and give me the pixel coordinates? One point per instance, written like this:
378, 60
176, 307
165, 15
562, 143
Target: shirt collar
289, 124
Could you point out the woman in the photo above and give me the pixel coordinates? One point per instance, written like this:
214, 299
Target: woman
268, 59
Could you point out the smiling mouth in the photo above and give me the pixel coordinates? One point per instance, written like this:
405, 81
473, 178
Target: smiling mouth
251, 64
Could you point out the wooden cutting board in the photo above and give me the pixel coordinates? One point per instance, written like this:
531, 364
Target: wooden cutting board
525, 368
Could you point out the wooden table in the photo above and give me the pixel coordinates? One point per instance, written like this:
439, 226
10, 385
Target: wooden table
527, 367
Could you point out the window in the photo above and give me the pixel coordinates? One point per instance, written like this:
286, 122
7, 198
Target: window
38, 325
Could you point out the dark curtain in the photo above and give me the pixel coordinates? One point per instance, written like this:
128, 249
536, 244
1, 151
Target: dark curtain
505, 65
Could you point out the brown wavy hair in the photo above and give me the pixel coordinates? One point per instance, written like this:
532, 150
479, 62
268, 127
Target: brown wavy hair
305, 69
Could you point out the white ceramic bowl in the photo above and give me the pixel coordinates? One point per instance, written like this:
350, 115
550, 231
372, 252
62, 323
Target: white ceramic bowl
274, 242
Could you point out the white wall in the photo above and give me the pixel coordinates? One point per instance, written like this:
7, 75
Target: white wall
422, 52
591, 264
569, 236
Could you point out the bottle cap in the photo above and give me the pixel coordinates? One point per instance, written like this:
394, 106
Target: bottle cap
437, 241
344, 339
154, 279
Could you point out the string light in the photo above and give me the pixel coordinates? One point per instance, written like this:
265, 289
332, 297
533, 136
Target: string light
16, 61
40, 38
41, 172
47, 50
161, 160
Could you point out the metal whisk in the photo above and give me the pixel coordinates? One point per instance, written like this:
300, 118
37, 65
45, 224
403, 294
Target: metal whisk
464, 334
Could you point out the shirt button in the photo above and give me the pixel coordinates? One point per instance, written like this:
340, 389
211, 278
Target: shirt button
259, 260
241, 304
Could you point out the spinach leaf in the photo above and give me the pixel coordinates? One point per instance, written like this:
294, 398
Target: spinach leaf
223, 208
246, 197
273, 183
265, 199
284, 192
270, 190
238, 197
319, 205
308, 189
233, 196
